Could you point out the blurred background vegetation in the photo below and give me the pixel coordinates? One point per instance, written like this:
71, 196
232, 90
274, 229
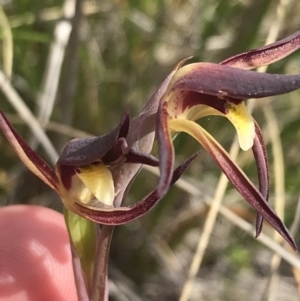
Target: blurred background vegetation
115, 56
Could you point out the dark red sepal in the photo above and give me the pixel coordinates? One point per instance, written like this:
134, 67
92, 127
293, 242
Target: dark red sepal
85, 151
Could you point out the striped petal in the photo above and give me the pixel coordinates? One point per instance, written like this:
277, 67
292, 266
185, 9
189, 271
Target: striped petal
265, 55
235, 175
227, 82
28, 156
261, 158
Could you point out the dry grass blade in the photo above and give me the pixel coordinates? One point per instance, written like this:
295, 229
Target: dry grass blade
279, 175
66, 130
55, 13
7, 44
293, 229
48, 91
207, 230
266, 240
54, 127
17, 102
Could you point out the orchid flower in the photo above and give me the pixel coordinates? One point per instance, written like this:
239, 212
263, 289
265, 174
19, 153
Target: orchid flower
92, 175
83, 175
204, 89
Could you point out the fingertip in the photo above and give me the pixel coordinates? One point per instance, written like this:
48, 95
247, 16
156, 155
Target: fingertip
35, 259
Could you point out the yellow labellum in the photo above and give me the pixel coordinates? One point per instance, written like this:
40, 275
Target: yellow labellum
243, 123
98, 179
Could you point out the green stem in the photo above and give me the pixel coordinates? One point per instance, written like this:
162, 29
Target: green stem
100, 284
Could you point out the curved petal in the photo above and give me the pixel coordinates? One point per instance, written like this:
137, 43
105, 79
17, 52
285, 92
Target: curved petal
140, 138
227, 82
165, 148
28, 156
192, 106
83, 151
234, 174
261, 159
123, 215
141, 135
265, 55
166, 165
117, 154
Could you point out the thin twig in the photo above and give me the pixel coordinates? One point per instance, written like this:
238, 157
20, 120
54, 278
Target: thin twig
56, 127
55, 13
17, 102
293, 229
263, 238
279, 177
55, 59
296, 222
48, 91
70, 73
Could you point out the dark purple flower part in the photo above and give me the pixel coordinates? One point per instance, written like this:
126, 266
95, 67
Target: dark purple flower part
92, 175
202, 89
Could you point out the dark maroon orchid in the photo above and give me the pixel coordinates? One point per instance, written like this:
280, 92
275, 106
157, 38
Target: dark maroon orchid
92, 175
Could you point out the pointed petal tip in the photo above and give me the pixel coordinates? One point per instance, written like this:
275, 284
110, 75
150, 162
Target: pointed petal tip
265, 55
257, 233
292, 243
180, 64
259, 224
289, 239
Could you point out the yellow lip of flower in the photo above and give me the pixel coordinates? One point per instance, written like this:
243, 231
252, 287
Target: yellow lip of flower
98, 179
237, 114
243, 123
223, 88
